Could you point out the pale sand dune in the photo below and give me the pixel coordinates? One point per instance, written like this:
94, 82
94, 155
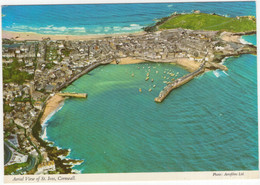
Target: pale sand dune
51, 105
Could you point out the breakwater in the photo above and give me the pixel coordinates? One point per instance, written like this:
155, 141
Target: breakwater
179, 82
77, 95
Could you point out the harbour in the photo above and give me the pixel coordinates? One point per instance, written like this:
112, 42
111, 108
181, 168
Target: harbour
180, 120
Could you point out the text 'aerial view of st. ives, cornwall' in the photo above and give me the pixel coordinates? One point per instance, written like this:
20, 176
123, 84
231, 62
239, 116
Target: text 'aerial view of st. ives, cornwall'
129, 88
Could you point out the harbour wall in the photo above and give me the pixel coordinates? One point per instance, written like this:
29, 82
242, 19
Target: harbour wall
86, 70
179, 82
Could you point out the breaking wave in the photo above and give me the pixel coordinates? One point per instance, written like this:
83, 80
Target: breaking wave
48, 29
243, 41
54, 30
45, 122
218, 73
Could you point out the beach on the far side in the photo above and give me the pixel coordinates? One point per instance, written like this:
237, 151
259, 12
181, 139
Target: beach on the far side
19, 36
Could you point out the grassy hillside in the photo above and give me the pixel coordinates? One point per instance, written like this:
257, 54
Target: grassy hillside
204, 21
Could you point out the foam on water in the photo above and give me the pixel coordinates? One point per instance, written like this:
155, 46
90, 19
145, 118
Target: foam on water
249, 39
243, 41
45, 122
216, 73
225, 73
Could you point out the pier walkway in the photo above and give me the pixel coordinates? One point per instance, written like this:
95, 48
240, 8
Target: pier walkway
77, 95
179, 82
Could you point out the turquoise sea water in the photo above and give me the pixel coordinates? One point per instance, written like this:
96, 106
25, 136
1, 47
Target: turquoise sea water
250, 38
206, 125
107, 18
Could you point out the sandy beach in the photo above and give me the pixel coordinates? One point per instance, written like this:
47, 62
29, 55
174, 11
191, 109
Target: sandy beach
35, 36
52, 104
229, 37
189, 65
129, 60
186, 63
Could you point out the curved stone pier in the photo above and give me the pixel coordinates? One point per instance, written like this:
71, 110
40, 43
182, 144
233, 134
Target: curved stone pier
179, 82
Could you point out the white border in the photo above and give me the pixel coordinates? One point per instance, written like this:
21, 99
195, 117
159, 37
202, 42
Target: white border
23, 2
195, 182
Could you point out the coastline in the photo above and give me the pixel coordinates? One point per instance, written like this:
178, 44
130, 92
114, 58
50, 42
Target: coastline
20, 36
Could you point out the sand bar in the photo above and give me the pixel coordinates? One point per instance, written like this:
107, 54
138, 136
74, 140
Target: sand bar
19, 36
52, 104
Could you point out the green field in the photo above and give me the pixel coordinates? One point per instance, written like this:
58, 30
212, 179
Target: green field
211, 22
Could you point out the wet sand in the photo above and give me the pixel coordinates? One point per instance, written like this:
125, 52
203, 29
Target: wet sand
52, 104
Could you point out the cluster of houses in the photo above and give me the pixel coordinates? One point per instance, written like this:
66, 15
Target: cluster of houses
168, 44
54, 63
